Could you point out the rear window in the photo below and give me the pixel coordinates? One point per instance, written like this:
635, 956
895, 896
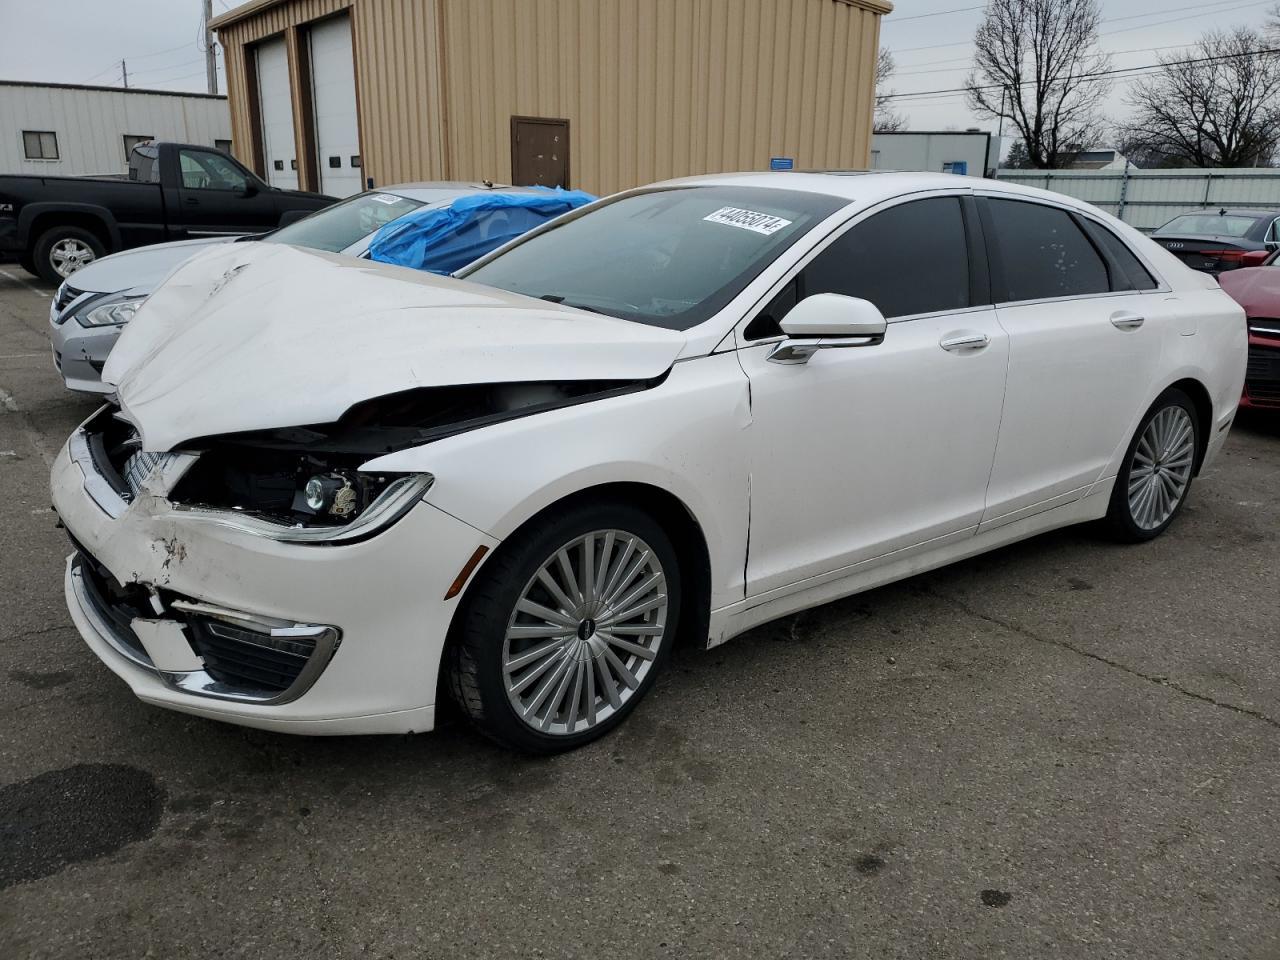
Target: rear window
1127, 272
1208, 224
1043, 253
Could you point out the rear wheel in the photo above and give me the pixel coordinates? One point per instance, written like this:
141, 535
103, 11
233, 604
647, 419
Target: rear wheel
567, 628
26, 260
1156, 475
61, 251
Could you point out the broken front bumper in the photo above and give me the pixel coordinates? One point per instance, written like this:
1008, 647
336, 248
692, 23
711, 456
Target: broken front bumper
176, 607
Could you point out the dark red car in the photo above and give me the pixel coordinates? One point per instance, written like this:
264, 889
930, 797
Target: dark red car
1257, 289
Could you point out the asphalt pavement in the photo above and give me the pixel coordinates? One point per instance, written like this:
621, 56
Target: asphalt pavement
1066, 748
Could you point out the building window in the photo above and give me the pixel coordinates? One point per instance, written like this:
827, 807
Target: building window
131, 140
223, 145
40, 144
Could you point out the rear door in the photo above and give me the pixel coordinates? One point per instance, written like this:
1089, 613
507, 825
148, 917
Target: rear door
216, 196
1085, 320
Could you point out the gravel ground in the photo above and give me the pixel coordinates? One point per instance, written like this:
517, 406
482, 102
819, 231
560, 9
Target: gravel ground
1063, 749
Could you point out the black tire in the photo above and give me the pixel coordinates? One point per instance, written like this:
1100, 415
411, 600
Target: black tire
1120, 522
474, 660
26, 261
42, 252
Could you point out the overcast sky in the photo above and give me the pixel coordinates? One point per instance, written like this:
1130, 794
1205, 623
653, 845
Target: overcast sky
83, 41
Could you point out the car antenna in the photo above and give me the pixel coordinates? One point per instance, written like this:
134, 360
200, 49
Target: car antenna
1222, 212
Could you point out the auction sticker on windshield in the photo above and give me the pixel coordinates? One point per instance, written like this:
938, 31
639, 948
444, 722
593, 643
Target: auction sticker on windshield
387, 198
747, 220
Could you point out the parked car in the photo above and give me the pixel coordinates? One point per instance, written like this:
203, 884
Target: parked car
86, 318
1258, 291
1217, 241
333, 490
173, 191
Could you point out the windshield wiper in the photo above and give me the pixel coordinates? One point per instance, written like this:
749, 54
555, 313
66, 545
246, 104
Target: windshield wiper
558, 298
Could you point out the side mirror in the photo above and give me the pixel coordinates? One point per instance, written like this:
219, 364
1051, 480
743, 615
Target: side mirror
827, 320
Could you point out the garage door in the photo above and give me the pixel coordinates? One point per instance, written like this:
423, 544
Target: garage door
333, 88
276, 107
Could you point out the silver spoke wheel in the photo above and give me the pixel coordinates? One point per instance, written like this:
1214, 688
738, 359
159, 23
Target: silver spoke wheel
69, 255
1161, 467
585, 632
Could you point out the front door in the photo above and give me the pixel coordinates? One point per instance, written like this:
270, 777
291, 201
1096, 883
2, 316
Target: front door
215, 196
864, 451
1084, 332
539, 152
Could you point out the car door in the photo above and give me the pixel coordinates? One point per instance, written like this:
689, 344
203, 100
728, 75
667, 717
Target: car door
215, 196
1084, 344
866, 451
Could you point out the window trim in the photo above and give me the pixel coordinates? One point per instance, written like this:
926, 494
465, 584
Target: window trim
57, 148
838, 230
993, 251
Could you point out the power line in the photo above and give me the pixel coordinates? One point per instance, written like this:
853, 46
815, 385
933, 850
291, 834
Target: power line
1209, 9
1084, 77
937, 13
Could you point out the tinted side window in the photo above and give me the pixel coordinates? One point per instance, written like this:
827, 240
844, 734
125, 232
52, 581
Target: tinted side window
1130, 273
910, 259
1043, 253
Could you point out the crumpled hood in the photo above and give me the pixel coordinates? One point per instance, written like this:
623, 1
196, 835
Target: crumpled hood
1257, 289
251, 336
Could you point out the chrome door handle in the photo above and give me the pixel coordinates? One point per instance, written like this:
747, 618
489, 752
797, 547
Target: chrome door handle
1127, 321
965, 341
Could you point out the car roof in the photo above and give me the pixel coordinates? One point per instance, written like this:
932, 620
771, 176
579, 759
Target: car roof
444, 191
869, 186
1258, 214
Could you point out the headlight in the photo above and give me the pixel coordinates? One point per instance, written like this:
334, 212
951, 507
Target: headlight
115, 313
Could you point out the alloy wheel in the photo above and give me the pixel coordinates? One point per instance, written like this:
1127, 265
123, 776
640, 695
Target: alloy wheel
69, 255
585, 632
1161, 469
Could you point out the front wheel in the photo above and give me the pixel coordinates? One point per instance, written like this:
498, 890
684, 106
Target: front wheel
1156, 475
566, 628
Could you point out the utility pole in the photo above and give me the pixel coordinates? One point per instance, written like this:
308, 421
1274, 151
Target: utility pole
210, 56
124, 72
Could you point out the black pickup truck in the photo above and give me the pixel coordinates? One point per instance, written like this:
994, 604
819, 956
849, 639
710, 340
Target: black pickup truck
173, 191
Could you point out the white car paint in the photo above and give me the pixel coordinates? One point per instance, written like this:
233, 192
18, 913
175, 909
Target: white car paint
168, 367
808, 482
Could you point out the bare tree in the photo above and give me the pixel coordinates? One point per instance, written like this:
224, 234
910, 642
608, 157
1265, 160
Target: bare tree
1218, 106
887, 120
1037, 62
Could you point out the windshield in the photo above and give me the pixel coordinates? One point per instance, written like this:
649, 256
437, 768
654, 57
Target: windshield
337, 227
670, 258
1209, 224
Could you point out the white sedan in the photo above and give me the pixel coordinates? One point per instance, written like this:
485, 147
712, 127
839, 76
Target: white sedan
337, 492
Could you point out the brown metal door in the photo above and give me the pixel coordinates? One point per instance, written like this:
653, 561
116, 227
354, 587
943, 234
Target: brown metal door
539, 152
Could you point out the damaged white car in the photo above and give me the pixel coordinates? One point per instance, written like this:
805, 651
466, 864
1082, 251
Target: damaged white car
334, 493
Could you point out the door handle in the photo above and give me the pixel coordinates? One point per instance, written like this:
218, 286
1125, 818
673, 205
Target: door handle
1127, 321
192, 201
965, 341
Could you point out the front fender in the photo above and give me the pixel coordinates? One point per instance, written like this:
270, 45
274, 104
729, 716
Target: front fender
685, 436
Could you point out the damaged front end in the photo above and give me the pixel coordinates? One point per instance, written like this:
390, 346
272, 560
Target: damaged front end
307, 484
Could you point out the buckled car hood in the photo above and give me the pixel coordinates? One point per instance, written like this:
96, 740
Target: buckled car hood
251, 336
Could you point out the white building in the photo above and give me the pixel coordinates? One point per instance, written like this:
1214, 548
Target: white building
974, 153
60, 129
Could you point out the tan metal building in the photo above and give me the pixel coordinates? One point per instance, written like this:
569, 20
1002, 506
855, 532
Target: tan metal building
597, 94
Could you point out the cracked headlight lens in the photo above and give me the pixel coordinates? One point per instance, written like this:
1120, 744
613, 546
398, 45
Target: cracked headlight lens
111, 314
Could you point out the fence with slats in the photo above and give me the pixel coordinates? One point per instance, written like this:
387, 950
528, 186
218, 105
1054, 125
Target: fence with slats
1147, 199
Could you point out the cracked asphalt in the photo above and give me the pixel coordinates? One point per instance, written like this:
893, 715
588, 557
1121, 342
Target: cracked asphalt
1064, 749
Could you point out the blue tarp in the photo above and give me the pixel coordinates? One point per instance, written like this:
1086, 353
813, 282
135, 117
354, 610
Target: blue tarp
444, 239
